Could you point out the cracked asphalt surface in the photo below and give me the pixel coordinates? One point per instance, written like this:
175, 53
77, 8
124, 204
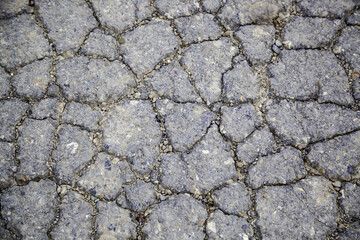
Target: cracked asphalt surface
180, 119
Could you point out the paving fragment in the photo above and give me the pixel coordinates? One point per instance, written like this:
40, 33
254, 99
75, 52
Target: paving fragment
338, 158
9, 8
179, 217
74, 151
7, 164
113, 222
211, 5
176, 8
94, 80
300, 123
305, 210
100, 44
240, 84
30, 209
279, 168
260, 143
35, 143
22, 41
140, 195
68, 22
348, 45
47, 108
257, 41
11, 112
356, 88
242, 12
82, 115
5, 87
354, 19
302, 32
185, 123
197, 28
33, 79
233, 199
308, 74
239, 122
221, 226
206, 62
209, 165
122, 14
350, 200
326, 8
172, 82
106, 177
75, 218
131, 130
352, 232
147, 45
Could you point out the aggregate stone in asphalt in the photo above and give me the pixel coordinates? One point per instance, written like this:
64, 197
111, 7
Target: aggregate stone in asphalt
180, 119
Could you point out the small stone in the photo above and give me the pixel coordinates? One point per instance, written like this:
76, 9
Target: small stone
147, 45
22, 41
30, 209
260, 143
279, 168
276, 49
240, 84
233, 199
338, 158
75, 218
7, 164
179, 217
256, 41
74, 151
47, 108
185, 123
100, 44
35, 143
349, 45
197, 28
326, 8
301, 32
278, 43
113, 222
106, 177
350, 201
68, 22
53, 91
4, 83
293, 212
176, 8
239, 122
140, 195
82, 115
221, 226
206, 62
11, 112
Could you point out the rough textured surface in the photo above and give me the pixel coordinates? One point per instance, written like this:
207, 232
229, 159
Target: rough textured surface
113, 222
300, 123
179, 217
30, 209
354, 19
75, 218
221, 226
21, 41
327, 8
206, 62
338, 158
185, 123
279, 168
7, 164
256, 41
306, 210
348, 45
140, 195
10, 8
68, 22
352, 232
106, 177
4, 84
94, 80
356, 88
309, 74
131, 130
233, 199
302, 32
73, 151
145, 46
47, 108
176, 8
350, 200
239, 122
